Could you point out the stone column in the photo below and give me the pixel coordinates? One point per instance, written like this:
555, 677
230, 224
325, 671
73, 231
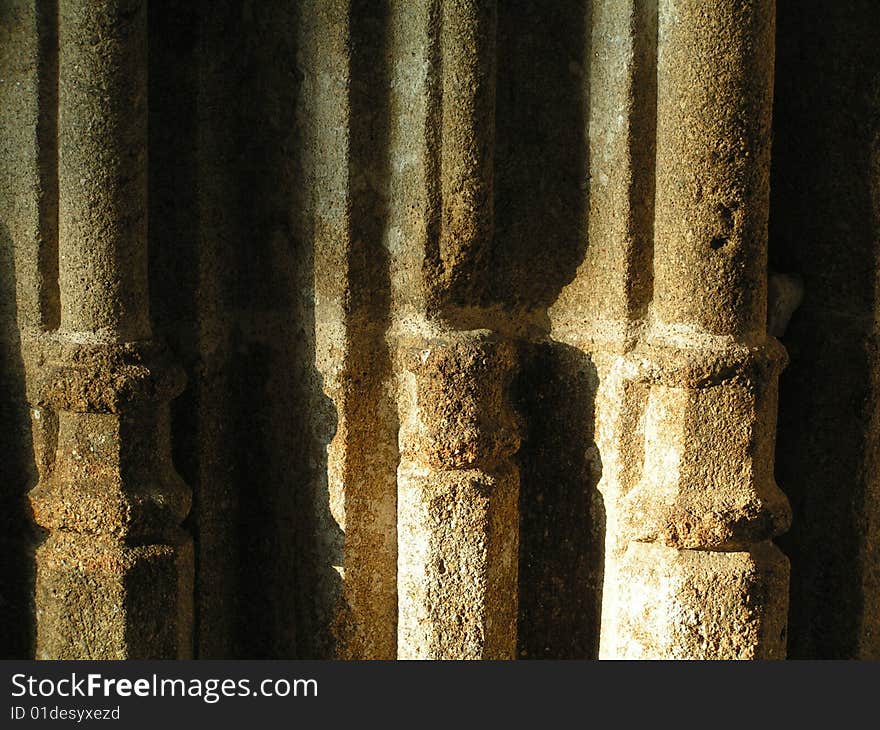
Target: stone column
458, 485
466, 147
28, 288
114, 573
457, 502
602, 311
700, 578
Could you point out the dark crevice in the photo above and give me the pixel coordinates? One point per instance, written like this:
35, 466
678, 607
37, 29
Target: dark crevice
540, 239
47, 162
643, 146
824, 127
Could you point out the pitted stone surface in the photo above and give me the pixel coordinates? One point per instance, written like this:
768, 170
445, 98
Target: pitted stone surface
95, 377
470, 350
462, 387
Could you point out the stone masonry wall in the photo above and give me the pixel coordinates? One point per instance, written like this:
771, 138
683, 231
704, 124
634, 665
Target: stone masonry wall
439, 329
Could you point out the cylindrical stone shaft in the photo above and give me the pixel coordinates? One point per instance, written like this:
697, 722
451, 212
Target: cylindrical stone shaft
102, 161
613, 283
714, 94
467, 48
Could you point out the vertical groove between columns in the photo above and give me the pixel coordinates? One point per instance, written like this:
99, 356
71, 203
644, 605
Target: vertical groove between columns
643, 150
368, 415
47, 160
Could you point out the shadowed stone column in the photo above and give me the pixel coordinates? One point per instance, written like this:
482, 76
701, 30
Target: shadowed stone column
700, 578
345, 51
602, 311
458, 485
114, 573
28, 288
467, 135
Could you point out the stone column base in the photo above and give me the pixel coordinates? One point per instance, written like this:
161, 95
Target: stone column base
698, 604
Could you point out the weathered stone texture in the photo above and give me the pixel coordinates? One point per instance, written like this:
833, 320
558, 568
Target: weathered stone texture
687, 604
28, 286
457, 511
714, 94
113, 559
439, 329
102, 167
706, 486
